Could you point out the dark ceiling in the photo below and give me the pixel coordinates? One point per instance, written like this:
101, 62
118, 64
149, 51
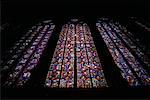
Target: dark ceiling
20, 12
25, 9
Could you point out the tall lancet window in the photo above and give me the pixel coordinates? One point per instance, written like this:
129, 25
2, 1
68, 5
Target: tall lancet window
26, 53
75, 61
121, 48
133, 43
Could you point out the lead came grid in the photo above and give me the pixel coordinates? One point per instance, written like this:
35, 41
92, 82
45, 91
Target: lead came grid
122, 55
30, 57
62, 69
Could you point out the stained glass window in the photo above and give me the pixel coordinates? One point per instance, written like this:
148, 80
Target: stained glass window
27, 53
130, 68
142, 25
75, 60
133, 42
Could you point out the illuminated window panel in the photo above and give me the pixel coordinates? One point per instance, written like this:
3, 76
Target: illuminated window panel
96, 71
68, 62
30, 55
118, 58
126, 38
23, 38
75, 39
90, 65
136, 66
130, 35
133, 46
136, 47
83, 78
34, 60
13, 49
144, 26
56, 67
16, 51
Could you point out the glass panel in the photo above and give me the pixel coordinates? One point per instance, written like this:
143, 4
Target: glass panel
30, 57
75, 46
122, 56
